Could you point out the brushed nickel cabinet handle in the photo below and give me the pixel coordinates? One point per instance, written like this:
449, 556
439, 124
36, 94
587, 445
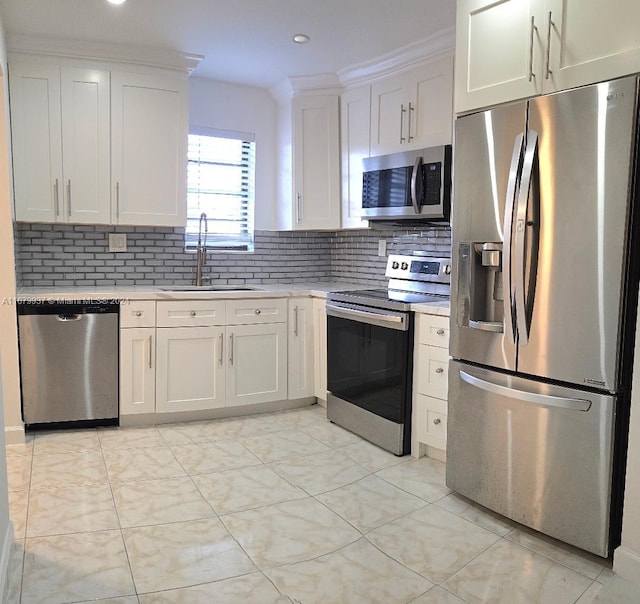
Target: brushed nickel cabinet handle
138, 313
437, 421
117, 200
150, 351
295, 321
231, 349
547, 71
69, 198
533, 30
440, 332
221, 358
411, 109
258, 311
193, 313
56, 198
439, 370
402, 112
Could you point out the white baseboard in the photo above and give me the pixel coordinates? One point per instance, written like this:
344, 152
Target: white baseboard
626, 563
14, 435
5, 562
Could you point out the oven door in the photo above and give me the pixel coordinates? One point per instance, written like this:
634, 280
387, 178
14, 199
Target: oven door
369, 358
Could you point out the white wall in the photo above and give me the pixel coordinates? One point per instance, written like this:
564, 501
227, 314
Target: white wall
8, 327
230, 106
626, 561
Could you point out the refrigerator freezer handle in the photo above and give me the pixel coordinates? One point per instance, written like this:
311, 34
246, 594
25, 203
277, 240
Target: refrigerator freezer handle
521, 229
510, 201
546, 400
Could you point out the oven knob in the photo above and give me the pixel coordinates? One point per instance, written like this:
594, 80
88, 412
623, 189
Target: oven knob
395, 265
447, 269
404, 266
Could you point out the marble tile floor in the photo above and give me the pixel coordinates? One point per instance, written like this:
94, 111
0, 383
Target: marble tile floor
278, 508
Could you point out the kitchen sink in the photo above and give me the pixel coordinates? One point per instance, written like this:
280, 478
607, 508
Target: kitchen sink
209, 288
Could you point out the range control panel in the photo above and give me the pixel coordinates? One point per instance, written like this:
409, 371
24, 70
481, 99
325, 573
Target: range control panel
419, 268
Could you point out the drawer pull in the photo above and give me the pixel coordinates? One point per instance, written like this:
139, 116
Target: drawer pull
440, 332
437, 421
138, 313
193, 313
258, 311
439, 370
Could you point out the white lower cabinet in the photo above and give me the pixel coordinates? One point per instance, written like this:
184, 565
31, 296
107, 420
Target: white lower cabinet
257, 363
191, 369
301, 348
430, 385
320, 348
137, 370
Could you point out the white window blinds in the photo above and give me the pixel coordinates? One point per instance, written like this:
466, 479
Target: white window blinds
220, 183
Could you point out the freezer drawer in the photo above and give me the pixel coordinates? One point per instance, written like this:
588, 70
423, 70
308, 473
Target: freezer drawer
537, 453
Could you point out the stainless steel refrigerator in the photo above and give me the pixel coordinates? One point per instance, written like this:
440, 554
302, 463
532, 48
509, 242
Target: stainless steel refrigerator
543, 304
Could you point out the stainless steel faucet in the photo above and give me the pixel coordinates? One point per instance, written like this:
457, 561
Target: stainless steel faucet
201, 251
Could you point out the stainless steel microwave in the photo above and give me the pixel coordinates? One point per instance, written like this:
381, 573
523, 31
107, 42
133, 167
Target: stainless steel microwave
413, 185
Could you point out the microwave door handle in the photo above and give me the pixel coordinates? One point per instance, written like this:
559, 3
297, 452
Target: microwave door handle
417, 170
520, 238
516, 158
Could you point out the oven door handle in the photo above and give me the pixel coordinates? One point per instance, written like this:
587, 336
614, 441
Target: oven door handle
393, 321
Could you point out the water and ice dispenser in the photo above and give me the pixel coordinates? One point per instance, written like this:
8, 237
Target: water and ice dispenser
480, 295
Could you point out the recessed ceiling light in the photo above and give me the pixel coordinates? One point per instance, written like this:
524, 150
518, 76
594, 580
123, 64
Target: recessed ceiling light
116, 1
301, 38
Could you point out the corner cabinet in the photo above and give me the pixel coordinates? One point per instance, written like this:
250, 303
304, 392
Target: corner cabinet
316, 162
60, 135
149, 149
413, 109
511, 49
355, 129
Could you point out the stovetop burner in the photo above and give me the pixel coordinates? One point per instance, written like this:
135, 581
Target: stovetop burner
414, 280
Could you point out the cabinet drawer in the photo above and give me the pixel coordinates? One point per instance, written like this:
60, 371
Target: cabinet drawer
256, 310
432, 371
431, 421
433, 330
188, 313
138, 313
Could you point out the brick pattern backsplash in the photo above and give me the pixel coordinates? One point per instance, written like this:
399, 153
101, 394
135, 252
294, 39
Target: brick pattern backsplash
78, 255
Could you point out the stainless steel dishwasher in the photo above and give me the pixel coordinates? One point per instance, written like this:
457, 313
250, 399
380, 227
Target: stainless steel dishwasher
68, 363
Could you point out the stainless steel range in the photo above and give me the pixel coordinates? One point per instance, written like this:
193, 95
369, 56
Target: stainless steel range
370, 350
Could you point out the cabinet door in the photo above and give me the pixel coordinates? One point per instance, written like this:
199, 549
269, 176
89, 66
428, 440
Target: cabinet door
37, 142
389, 119
137, 371
591, 41
86, 142
355, 128
256, 363
190, 373
316, 162
499, 51
320, 347
149, 149
301, 348
430, 115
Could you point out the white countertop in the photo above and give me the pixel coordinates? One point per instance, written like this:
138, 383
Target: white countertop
122, 294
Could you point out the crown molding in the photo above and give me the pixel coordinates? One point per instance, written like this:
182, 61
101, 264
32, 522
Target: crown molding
83, 49
404, 58
321, 83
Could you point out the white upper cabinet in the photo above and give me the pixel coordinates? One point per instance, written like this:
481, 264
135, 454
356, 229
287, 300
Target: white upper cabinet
355, 118
60, 137
316, 162
514, 49
149, 148
413, 109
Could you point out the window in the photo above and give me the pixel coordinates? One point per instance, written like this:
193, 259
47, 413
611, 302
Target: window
220, 183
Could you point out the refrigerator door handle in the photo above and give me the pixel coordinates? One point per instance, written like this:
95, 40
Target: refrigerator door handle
521, 229
510, 201
545, 400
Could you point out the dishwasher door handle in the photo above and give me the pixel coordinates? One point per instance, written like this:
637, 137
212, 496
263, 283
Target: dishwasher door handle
70, 317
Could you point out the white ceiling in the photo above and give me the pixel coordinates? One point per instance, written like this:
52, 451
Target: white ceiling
243, 41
